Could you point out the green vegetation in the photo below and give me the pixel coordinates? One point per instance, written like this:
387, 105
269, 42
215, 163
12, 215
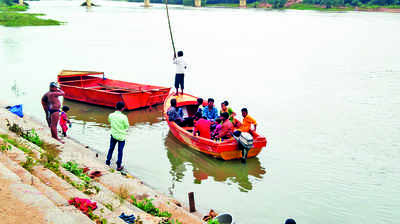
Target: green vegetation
17, 145
109, 206
302, 6
232, 4
28, 164
87, 187
213, 221
5, 146
25, 19
147, 206
349, 4
13, 8
277, 4
10, 16
29, 135
73, 168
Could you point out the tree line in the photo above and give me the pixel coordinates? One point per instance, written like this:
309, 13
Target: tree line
354, 3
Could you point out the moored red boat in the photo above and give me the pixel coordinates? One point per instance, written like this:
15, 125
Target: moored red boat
227, 150
93, 87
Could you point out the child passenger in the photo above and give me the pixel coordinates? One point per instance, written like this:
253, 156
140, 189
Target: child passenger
64, 120
218, 127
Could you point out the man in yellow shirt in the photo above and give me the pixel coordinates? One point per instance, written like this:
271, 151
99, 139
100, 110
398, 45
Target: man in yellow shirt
247, 122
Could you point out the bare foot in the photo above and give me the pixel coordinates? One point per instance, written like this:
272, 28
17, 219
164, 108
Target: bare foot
61, 141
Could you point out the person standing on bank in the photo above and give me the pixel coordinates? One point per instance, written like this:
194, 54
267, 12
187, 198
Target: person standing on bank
51, 105
119, 129
181, 67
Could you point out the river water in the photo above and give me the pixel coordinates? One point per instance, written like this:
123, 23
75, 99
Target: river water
324, 88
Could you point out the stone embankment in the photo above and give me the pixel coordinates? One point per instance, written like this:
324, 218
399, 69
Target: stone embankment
34, 189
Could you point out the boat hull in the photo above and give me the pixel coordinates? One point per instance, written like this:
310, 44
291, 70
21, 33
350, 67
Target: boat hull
87, 88
226, 150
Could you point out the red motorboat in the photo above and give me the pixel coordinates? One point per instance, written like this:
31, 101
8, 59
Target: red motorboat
93, 87
227, 150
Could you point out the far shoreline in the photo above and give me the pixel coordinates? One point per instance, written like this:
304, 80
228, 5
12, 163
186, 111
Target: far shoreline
300, 6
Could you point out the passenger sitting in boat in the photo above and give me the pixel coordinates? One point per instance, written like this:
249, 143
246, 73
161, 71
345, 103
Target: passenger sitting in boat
200, 104
189, 121
210, 112
236, 123
173, 113
202, 126
225, 108
218, 127
247, 122
227, 127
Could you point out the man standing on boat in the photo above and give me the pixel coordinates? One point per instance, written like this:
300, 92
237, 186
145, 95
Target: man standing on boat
181, 67
119, 129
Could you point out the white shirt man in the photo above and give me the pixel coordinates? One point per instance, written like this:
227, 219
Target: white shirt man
181, 67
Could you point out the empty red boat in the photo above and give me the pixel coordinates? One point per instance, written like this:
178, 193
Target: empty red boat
93, 87
227, 150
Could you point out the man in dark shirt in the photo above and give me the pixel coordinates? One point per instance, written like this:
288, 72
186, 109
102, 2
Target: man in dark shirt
173, 114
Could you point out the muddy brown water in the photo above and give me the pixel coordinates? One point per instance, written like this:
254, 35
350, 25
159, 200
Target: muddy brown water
324, 88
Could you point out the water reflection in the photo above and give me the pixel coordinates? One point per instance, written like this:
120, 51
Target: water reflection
92, 113
180, 157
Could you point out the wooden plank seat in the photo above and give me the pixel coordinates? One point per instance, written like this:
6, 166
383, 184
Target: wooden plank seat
188, 128
93, 87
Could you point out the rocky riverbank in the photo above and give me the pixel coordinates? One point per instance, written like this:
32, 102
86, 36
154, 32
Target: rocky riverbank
35, 186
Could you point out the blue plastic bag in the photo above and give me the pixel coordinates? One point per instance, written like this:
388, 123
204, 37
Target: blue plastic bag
17, 109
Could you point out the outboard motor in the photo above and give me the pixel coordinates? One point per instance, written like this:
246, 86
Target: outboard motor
245, 143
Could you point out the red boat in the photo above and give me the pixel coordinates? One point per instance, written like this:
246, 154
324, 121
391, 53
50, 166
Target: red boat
227, 150
93, 87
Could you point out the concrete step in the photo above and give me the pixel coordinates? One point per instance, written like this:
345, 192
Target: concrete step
30, 196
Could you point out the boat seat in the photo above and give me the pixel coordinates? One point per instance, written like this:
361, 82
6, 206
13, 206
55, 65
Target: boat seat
93, 87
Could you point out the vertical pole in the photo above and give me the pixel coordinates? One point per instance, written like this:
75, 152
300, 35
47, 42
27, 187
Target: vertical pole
197, 3
21, 2
192, 206
146, 3
88, 3
242, 4
169, 25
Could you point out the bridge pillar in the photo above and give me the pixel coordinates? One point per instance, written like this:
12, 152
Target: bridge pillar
88, 3
21, 2
197, 3
146, 3
242, 4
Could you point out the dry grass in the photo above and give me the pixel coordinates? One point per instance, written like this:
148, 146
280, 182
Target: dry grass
123, 193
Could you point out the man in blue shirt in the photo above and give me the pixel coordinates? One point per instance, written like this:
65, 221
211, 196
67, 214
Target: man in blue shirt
174, 113
210, 112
